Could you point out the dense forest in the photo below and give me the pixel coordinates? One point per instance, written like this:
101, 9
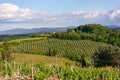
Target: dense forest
94, 32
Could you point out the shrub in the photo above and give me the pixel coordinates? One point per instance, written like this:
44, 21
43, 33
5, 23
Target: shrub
106, 56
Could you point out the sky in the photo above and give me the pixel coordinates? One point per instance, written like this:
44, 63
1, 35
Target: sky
57, 13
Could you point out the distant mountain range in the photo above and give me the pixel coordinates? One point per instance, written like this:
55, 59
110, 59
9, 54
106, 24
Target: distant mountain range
115, 27
34, 30
41, 30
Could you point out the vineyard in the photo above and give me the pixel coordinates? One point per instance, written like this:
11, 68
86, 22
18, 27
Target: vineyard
47, 72
54, 66
64, 48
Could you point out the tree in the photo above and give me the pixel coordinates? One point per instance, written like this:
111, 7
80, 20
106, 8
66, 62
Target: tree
5, 54
106, 56
83, 62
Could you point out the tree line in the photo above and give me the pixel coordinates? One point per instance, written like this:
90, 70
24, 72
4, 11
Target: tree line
94, 32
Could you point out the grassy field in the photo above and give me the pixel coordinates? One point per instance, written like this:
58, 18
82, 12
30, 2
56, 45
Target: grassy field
34, 59
20, 41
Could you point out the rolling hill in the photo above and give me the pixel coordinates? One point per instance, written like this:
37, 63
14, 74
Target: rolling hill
71, 49
33, 30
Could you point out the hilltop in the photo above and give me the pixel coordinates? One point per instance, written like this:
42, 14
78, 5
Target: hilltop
94, 32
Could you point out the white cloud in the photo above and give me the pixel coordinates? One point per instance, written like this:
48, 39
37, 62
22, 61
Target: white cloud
94, 14
77, 12
27, 17
8, 7
8, 11
12, 13
115, 15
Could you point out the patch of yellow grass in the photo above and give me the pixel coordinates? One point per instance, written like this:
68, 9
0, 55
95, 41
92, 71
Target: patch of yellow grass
34, 59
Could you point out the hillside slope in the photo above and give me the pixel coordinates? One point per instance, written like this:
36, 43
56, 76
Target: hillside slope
94, 32
35, 59
72, 49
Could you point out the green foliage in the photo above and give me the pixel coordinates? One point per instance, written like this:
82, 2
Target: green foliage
107, 56
5, 53
64, 48
67, 35
74, 73
13, 37
72, 49
23, 40
40, 76
74, 57
25, 69
42, 72
83, 61
52, 52
94, 32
